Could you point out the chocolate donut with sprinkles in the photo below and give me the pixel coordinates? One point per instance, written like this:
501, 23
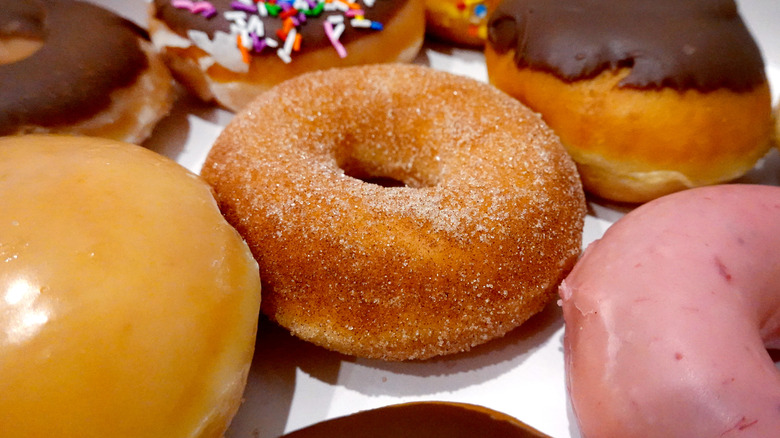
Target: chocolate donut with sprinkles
230, 51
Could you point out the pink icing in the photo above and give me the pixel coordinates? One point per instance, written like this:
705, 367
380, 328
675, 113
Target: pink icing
669, 317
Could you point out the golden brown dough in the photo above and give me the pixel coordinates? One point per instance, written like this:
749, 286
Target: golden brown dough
128, 306
486, 222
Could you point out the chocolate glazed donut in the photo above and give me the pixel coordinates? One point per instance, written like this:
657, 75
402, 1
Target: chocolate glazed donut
230, 52
86, 54
648, 97
181, 21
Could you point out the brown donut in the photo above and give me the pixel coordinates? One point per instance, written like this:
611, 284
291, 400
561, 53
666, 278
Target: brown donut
647, 97
486, 222
433, 419
200, 45
74, 68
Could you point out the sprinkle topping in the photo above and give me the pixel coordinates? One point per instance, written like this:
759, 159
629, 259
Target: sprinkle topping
248, 20
203, 8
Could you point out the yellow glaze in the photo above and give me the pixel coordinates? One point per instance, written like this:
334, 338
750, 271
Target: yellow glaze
128, 306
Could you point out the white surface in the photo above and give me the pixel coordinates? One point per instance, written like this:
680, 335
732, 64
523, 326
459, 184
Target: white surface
294, 384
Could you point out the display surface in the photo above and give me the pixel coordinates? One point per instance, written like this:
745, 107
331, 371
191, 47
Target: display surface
293, 384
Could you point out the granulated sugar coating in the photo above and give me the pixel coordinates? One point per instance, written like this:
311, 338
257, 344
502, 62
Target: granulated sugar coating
487, 223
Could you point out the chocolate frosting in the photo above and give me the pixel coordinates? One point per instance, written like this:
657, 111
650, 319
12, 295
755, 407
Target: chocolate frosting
420, 420
312, 31
20, 18
87, 53
681, 44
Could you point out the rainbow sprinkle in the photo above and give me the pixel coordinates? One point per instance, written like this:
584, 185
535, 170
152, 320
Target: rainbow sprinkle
248, 32
203, 8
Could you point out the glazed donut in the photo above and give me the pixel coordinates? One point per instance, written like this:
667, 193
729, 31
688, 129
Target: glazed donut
78, 69
120, 315
647, 97
459, 21
278, 40
486, 222
669, 316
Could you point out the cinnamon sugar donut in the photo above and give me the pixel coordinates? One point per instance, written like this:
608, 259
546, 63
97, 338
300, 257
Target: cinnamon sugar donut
71, 67
648, 97
230, 51
485, 223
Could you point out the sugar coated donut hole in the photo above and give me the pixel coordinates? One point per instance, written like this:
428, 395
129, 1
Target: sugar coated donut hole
486, 221
128, 306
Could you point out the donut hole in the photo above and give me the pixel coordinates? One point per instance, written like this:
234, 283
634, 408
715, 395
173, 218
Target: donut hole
384, 181
22, 30
14, 49
371, 174
387, 164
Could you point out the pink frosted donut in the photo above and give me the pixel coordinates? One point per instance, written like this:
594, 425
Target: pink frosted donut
669, 317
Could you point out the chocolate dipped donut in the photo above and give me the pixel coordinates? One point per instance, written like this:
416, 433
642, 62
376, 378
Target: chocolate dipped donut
648, 97
231, 51
73, 67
